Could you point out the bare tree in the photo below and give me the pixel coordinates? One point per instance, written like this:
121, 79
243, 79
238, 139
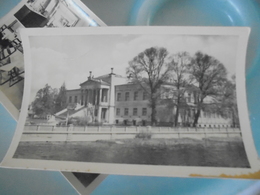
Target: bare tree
209, 75
149, 70
226, 104
181, 80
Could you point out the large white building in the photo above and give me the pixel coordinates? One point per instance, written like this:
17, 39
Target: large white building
114, 100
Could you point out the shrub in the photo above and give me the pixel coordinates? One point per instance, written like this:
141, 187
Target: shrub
144, 135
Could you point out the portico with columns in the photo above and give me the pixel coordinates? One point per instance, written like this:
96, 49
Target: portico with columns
99, 93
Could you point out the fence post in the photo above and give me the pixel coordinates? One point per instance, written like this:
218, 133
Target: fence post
98, 128
85, 128
37, 127
71, 127
125, 128
227, 132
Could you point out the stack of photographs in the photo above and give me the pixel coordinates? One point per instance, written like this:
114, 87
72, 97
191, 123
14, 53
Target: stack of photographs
35, 14
155, 101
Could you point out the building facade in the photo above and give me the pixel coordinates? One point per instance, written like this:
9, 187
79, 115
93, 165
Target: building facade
115, 101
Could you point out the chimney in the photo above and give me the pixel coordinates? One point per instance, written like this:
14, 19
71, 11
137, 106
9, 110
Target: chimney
90, 73
112, 69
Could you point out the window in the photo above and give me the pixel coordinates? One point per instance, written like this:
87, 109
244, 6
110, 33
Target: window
70, 99
189, 113
82, 100
135, 95
204, 114
144, 111
126, 111
193, 112
118, 97
163, 95
104, 95
118, 111
144, 96
127, 96
135, 111
189, 98
195, 97
76, 99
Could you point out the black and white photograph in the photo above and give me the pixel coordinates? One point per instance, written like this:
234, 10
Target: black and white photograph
11, 62
28, 14
129, 100
84, 183
55, 13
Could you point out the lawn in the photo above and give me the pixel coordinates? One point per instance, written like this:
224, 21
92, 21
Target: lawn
217, 152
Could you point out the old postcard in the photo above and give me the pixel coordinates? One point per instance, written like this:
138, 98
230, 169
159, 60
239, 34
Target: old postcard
135, 100
28, 14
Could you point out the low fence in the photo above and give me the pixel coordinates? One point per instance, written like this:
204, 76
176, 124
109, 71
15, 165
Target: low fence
93, 133
48, 128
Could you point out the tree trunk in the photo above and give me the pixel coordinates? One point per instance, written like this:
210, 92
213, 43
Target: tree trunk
196, 118
153, 114
176, 116
233, 118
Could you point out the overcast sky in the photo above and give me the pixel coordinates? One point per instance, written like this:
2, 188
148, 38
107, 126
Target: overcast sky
58, 59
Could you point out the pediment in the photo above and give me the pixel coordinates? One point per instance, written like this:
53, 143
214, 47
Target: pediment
93, 83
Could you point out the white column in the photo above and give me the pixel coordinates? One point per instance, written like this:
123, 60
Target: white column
99, 114
100, 95
86, 97
111, 105
96, 99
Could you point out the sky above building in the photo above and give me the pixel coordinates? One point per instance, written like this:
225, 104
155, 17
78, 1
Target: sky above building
68, 58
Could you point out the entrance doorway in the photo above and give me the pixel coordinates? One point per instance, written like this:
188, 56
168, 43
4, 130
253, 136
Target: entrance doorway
103, 114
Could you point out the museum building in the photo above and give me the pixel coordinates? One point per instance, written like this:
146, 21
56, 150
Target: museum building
116, 101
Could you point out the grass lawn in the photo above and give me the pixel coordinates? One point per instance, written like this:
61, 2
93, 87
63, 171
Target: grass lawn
217, 152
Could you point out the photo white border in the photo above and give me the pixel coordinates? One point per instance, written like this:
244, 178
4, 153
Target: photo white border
74, 181
130, 169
